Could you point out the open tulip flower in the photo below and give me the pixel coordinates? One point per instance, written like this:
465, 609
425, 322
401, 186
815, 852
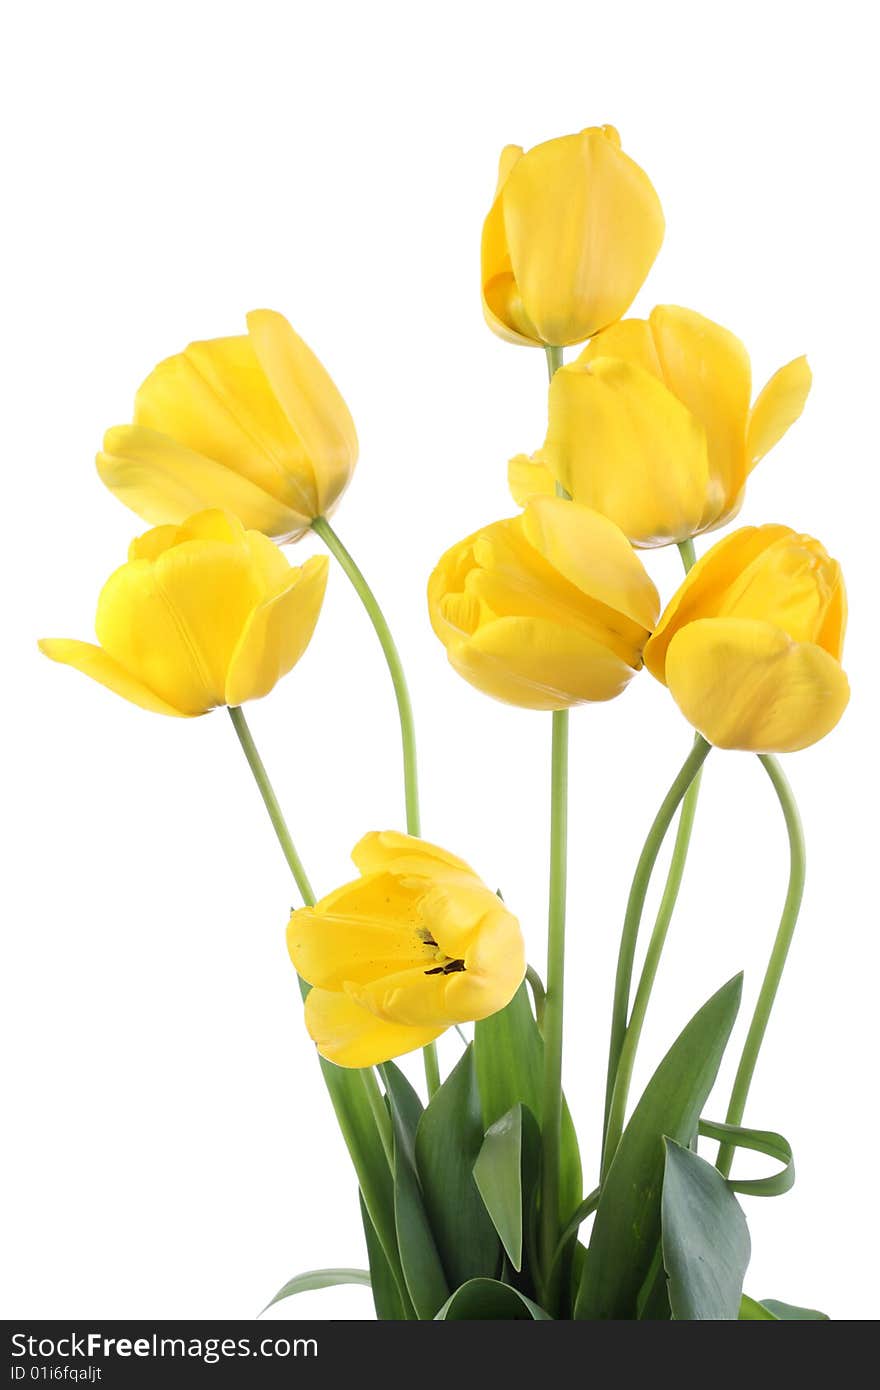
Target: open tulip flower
252, 424
202, 614
572, 233
415, 945
750, 646
653, 425
544, 610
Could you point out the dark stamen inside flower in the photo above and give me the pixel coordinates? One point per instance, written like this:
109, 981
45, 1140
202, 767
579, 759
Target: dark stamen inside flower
450, 968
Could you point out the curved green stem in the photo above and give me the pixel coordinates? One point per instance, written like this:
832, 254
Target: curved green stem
554, 359
615, 1105
551, 1121
270, 800
322, 528
778, 956
539, 994
636, 1021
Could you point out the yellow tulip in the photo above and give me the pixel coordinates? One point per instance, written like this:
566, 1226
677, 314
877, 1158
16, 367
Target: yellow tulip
652, 425
251, 424
750, 646
415, 945
572, 233
202, 614
544, 610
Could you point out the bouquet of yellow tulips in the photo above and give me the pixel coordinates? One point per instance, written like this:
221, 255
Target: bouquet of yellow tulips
473, 1193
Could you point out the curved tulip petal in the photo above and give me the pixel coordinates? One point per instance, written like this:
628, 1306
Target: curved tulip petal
592, 553
528, 478
310, 401
623, 445
745, 684
163, 481
776, 409
583, 225
277, 633
394, 852
93, 661
502, 302
351, 1036
332, 948
215, 398
539, 665
704, 588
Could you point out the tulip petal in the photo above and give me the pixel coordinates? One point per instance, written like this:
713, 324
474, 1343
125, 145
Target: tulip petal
359, 936
745, 684
702, 592
277, 633
776, 409
351, 1036
95, 662
393, 852
175, 622
591, 552
311, 402
528, 478
623, 445
538, 665
583, 225
164, 481
215, 398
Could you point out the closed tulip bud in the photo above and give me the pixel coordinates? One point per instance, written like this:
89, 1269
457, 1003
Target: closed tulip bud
653, 426
544, 610
252, 424
202, 614
415, 945
572, 233
750, 646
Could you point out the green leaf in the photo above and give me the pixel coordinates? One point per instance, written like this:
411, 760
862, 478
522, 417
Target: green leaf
626, 1230
487, 1299
355, 1118
498, 1175
752, 1311
762, 1141
390, 1304
706, 1244
448, 1140
788, 1312
320, 1279
509, 1056
422, 1270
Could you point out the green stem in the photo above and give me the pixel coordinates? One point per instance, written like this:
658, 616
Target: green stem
615, 1101
778, 956
551, 1122
554, 359
380, 1113
539, 994
270, 800
322, 528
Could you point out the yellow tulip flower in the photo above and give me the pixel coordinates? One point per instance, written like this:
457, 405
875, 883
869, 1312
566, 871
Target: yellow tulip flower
202, 614
415, 945
252, 424
572, 233
652, 425
750, 646
544, 610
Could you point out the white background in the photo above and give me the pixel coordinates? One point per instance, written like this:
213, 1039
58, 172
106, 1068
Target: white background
170, 1151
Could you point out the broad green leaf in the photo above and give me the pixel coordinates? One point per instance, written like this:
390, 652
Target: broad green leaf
422, 1270
509, 1056
448, 1140
706, 1244
391, 1305
498, 1175
789, 1312
488, 1300
762, 1141
320, 1279
626, 1230
750, 1310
